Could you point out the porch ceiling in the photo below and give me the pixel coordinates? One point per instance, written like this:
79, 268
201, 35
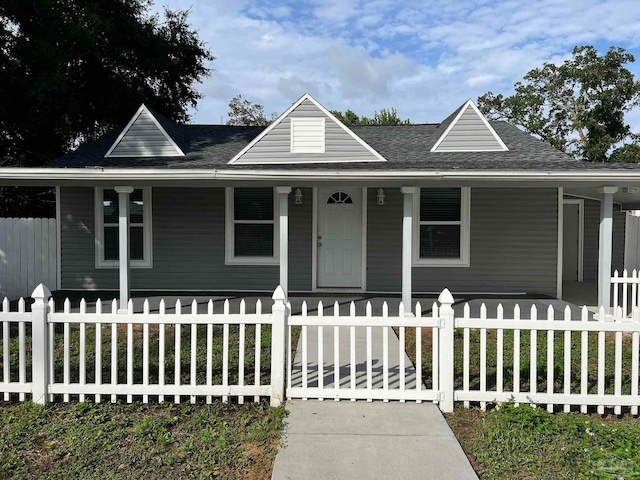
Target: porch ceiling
628, 195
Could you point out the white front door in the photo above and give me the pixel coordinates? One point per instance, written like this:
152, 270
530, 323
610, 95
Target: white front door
339, 237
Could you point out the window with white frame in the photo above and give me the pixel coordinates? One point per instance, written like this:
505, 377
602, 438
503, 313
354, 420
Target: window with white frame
107, 204
251, 226
441, 227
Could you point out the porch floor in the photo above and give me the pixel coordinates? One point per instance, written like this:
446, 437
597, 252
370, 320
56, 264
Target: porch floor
328, 300
581, 293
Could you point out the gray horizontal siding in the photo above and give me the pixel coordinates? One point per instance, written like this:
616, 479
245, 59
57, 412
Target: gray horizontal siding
513, 234
592, 240
144, 139
514, 245
469, 134
188, 245
275, 147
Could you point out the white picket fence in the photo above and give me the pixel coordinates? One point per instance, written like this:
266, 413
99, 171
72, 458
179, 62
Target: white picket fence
361, 357
578, 384
625, 292
102, 353
437, 356
28, 255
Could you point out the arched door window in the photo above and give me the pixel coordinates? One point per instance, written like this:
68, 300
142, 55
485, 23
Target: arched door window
339, 197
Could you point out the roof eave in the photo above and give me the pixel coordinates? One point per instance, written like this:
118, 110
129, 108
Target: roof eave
38, 175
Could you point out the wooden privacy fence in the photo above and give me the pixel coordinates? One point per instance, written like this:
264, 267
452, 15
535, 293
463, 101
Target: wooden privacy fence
433, 355
28, 255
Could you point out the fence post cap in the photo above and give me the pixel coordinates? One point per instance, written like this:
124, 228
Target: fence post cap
278, 294
446, 297
41, 291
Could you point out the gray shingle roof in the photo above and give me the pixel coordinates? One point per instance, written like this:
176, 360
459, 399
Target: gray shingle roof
406, 147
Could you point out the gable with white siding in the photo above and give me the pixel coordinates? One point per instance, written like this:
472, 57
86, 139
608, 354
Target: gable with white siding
306, 133
144, 137
469, 131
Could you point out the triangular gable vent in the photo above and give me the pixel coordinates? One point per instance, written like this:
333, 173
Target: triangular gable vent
144, 137
306, 133
469, 131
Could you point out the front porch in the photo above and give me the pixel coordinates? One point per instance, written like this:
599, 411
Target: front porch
198, 240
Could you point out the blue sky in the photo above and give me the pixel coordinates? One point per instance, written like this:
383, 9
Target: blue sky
424, 58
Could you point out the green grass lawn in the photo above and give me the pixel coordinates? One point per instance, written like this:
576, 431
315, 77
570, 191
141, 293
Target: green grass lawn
526, 443
85, 440
525, 364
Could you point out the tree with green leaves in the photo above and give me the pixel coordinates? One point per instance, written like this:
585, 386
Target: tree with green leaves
578, 107
383, 117
244, 112
629, 153
72, 70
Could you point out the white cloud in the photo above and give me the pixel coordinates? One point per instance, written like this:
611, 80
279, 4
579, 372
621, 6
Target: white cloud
423, 59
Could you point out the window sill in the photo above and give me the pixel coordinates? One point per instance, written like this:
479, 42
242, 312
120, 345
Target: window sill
442, 263
252, 261
116, 265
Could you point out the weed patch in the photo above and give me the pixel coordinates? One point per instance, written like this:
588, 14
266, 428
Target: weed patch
522, 442
86, 440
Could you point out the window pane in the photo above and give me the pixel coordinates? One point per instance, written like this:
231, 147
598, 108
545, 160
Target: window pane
111, 246
253, 240
110, 206
136, 243
439, 241
253, 203
440, 204
136, 207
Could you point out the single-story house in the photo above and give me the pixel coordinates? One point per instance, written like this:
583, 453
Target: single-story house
314, 205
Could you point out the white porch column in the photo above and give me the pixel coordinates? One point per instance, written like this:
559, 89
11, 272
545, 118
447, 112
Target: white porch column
407, 246
283, 197
123, 243
605, 245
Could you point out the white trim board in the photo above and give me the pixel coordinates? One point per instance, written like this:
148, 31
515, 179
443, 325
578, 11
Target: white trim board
39, 176
58, 240
469, 104
560, 227
141, 110
265, 132
580, 253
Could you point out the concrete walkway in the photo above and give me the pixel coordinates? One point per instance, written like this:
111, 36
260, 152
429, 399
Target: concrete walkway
364, 440
361, 440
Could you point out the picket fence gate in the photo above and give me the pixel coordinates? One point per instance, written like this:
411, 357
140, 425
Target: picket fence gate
435, 355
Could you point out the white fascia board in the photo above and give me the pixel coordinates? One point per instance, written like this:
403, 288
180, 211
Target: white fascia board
286, 113
470, 103
143, 108
138, 174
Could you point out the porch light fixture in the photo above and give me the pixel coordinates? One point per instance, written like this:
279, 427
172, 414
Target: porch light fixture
380, 197
298, 197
